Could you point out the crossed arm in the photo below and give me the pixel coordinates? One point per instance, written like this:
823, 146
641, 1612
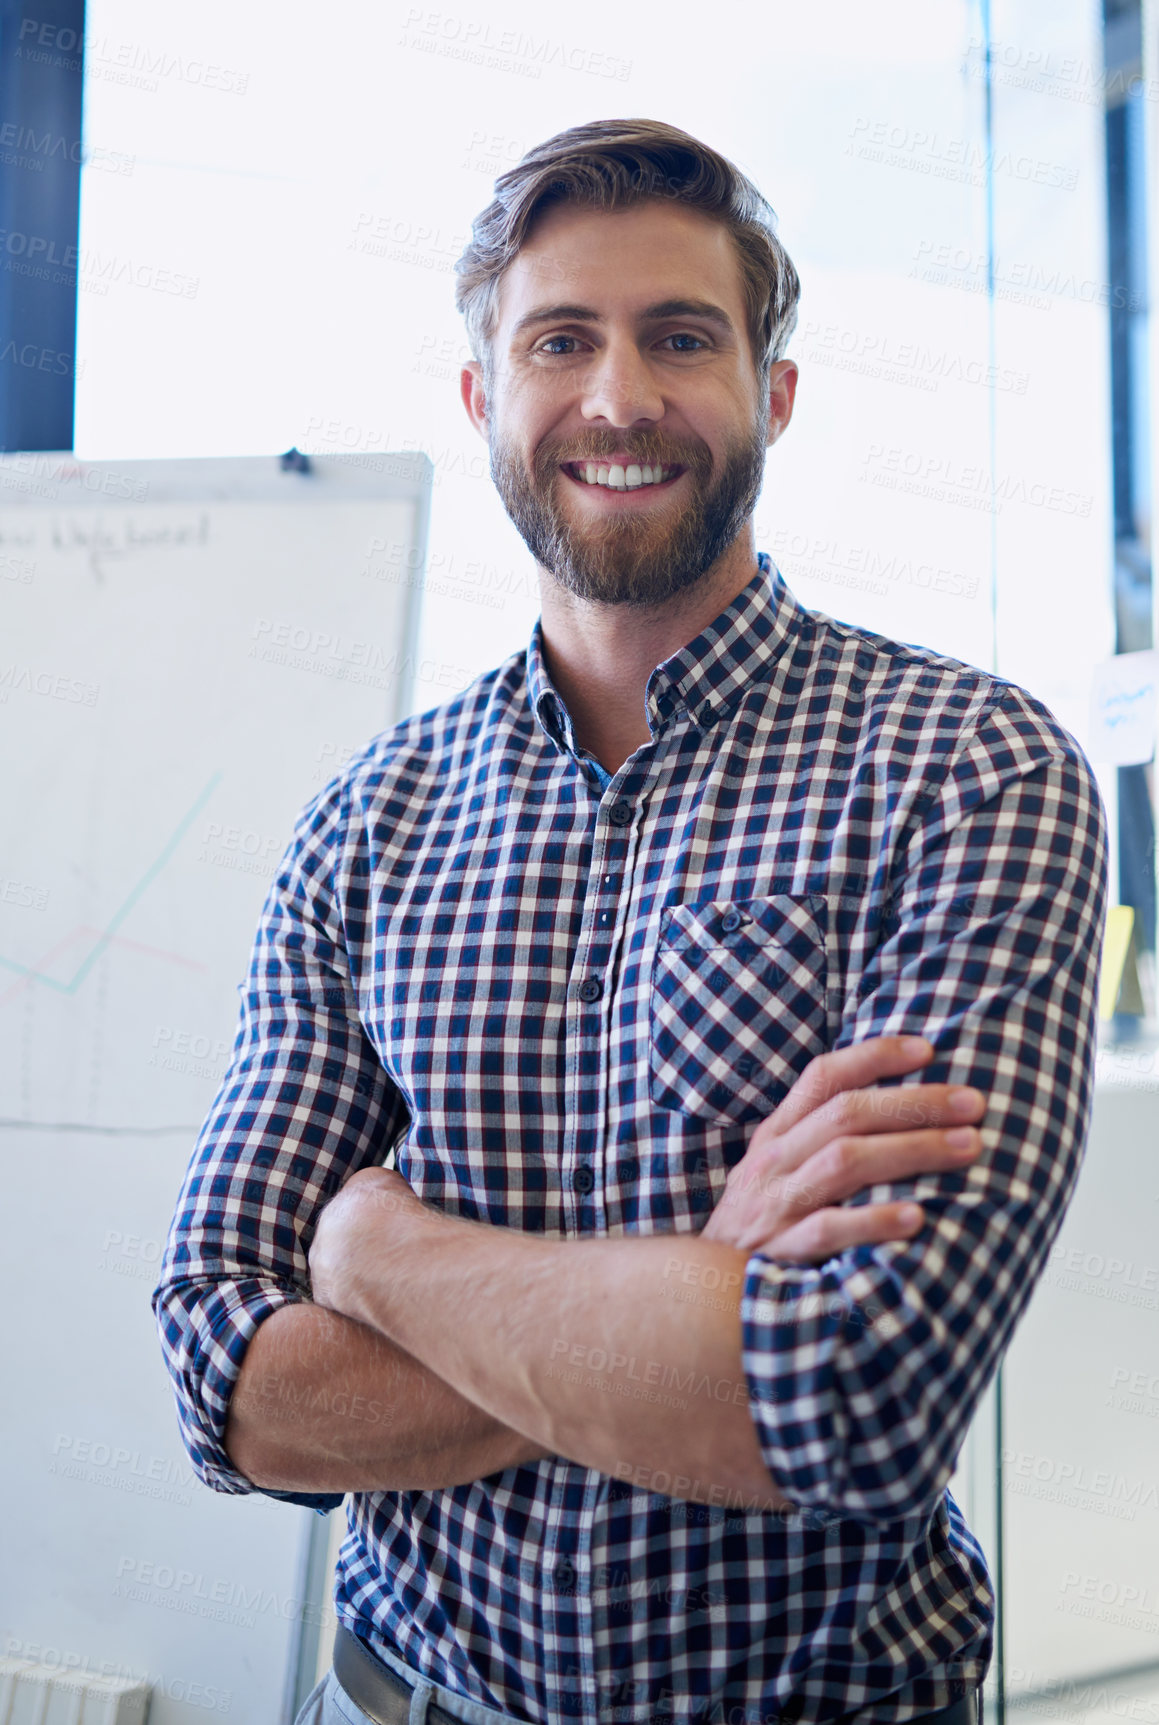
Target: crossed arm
438, 1350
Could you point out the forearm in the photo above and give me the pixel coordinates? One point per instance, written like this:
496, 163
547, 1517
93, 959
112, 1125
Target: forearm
323, 1403
609, 1352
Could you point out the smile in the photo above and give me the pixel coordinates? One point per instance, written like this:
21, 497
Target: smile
620, 478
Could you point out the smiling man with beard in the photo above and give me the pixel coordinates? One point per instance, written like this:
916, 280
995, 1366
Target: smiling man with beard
645, 1370
636, 551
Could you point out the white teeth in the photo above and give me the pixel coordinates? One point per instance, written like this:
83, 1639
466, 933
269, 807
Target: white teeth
620, 478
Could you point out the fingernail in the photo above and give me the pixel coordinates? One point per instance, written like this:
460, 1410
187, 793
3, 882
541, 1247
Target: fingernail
908, 1215
965, 1101
961, 1138
915, 1045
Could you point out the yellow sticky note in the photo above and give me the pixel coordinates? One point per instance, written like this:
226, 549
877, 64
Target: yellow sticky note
1116, 947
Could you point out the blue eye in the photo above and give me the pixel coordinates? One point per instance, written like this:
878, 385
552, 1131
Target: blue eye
544, 346
683, 335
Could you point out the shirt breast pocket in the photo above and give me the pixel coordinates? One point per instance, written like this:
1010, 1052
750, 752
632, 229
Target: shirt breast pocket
737, 1004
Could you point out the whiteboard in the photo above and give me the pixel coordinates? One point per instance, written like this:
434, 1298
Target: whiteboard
189, 651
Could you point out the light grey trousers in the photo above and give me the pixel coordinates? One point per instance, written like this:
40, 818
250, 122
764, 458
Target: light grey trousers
329, 1704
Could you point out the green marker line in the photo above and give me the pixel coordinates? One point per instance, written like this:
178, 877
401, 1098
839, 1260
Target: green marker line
120, 914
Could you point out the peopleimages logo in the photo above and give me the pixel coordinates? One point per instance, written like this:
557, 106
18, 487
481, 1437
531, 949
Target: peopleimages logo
57, 685
1100, 1490
1070, 77
39, 40
68, 1663
476, 41
944, 479
214, 1597
931, 152
973, 268
1105, 1266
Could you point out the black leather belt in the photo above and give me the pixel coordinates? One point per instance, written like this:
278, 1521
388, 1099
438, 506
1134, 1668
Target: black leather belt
384, 1696
381, 1693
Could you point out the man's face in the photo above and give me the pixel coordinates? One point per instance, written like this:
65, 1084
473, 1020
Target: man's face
626, 423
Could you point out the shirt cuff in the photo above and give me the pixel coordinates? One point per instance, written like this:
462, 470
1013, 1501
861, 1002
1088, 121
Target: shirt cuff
205, 1331
795, 1320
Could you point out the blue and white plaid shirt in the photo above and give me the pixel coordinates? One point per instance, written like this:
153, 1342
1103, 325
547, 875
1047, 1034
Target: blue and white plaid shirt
569, 1003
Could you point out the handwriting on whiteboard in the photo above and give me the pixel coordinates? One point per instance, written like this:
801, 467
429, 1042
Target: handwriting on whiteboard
1124, 692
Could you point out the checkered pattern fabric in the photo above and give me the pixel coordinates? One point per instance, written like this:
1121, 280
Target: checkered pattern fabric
566, 1005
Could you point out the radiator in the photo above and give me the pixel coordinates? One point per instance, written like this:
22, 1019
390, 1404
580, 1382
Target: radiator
32, 1694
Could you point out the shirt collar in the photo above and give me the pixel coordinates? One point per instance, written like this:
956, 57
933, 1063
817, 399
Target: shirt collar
706, 678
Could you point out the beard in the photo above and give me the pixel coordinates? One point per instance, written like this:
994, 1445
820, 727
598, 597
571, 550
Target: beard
642, 558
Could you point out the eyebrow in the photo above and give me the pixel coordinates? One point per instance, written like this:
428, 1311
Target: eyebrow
698, 308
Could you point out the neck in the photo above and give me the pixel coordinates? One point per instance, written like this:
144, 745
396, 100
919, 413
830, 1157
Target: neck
600, 657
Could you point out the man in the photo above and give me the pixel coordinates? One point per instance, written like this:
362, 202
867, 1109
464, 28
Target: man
645, 1379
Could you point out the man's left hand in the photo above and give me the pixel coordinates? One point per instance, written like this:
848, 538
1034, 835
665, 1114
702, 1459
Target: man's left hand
833, 1136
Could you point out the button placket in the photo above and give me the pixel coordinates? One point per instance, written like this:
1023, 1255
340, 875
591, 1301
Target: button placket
586, 1037
568, 1607
591, 990
576, 1665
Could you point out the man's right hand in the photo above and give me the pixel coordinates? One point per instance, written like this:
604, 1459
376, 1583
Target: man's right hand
831, 1137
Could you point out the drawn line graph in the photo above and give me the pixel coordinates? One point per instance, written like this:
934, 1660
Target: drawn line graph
107, 936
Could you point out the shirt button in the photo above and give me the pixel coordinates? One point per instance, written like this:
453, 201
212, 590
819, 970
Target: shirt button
583, 1179
706, 714
620, 814
563, 1573
590, 989
731, 921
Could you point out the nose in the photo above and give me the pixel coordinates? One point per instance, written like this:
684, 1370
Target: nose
619, 387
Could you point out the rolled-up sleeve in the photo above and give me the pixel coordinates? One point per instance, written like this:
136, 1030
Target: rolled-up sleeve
303, 1103
864, 1372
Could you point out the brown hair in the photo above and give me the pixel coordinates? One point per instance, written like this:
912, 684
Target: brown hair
611, 165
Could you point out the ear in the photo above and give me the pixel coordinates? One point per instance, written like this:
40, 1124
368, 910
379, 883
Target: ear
782, 394
471, 390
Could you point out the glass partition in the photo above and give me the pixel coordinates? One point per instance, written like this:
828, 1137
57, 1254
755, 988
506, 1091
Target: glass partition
1079, 1445
965, 190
